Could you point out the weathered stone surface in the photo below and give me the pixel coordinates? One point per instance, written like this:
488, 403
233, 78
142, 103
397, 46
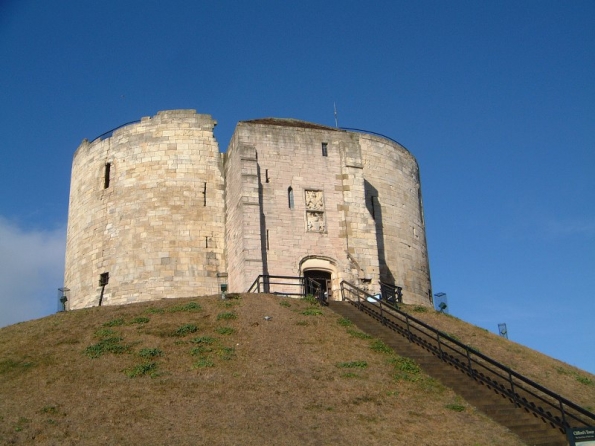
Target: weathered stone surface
157, 227
177, 214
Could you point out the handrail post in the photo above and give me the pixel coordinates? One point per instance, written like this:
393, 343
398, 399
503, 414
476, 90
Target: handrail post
563, 414
440, 346
408, 328
469, 362
516, 402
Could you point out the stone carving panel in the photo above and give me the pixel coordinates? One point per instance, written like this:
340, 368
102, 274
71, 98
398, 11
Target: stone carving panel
315, 211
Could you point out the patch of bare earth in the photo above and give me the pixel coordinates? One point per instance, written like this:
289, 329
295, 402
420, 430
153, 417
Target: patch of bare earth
206, 371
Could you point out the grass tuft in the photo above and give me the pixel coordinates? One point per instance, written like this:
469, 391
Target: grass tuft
419, 309
201, 350
380, 347
149, 368
188, 307
344, 322
185, 330
227, 353
203, 340
114, 323
310, 299
150, 352
155, 311
225, 330
227, 316
312, 312
350, 375
583, 380
455, 407
9, 365
406, 369
107, 345
49, 409
352, 365
202, 363
140, 320
359, 334
104, 333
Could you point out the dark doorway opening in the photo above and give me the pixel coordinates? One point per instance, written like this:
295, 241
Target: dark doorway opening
323, 278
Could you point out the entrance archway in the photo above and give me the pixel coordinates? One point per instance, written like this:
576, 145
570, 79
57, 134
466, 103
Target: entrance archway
324, 278
323, 271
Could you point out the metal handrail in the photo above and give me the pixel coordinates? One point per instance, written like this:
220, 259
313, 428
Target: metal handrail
391, 292
264, 282
521, 390
371, 133
110, 132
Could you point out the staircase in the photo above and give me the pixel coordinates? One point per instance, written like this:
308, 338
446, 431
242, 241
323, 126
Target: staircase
486, 395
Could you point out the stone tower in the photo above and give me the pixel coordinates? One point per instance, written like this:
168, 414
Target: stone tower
304, 198
157, 211
146, 215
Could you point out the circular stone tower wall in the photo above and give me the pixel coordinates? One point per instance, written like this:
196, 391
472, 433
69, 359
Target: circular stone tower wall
393, 197
146, 213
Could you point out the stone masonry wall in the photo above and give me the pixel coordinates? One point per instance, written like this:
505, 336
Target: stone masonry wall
157, 229
275, 237
393, 194
158, 211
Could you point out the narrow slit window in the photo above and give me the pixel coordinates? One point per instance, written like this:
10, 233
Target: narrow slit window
103, 279
267, 239
106, 175
324, 149
204, 193
206, 242
290, 197
266, 175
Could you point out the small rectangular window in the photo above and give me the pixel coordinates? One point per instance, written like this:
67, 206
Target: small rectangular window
290, 197
103, 279
266, 175
324, 149
106, 175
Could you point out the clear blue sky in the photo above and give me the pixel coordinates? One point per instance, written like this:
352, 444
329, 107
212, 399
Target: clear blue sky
495, 99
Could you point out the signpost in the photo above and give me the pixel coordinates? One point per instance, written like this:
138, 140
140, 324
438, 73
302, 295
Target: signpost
581, 436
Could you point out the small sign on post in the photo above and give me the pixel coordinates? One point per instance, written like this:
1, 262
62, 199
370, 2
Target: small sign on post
222, 281
581, 436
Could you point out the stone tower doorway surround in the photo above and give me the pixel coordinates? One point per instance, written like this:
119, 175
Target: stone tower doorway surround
324, 271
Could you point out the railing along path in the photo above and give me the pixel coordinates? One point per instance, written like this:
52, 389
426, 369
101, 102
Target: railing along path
520, 390
290, 286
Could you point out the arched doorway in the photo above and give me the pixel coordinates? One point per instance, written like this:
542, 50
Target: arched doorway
323, 278
322, 270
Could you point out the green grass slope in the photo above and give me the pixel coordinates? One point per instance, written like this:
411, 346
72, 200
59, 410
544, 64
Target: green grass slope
206, 371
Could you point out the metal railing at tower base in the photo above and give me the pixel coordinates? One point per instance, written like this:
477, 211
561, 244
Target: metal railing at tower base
391, 293
289, 286
552, 408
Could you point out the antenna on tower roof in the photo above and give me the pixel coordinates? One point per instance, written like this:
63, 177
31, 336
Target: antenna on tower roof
336, 119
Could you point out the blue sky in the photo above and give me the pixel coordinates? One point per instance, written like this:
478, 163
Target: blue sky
495, 99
